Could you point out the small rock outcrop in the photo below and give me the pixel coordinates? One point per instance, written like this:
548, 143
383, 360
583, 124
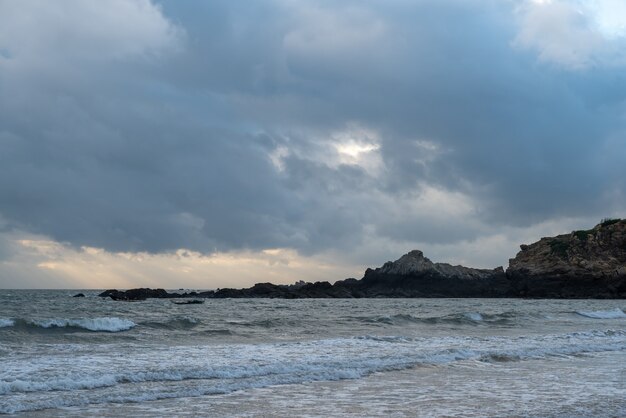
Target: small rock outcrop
189, 302
135, 294
584, 263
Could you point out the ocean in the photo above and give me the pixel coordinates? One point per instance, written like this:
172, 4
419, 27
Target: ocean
67, 357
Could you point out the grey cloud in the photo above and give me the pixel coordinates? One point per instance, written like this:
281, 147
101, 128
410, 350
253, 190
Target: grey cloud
173, 150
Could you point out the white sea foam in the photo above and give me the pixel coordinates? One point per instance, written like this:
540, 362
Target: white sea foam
4, 322
246, 366
59, 384
108, 324
612, 314
474, 316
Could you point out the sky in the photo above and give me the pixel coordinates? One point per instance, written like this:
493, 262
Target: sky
209, 144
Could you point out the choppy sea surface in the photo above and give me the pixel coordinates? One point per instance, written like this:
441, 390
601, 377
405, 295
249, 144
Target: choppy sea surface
64, 356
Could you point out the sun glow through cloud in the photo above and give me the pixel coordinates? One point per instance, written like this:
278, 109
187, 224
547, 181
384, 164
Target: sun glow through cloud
95, 268
610, 17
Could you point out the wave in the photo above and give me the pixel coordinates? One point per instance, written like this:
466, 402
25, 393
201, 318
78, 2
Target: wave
463, 318
473, 316
108, 324
248, 366
612, 314
4, 322
265, 323
104, 324
216, 332
183, 323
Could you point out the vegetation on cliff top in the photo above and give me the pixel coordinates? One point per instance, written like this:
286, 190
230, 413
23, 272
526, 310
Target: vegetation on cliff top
611, 221
559, 246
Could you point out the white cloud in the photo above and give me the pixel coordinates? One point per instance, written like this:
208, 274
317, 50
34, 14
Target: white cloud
575, 34
610, 17
561, 32
56, 37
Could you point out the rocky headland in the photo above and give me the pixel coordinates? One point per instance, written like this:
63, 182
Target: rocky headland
585, 263
582, 264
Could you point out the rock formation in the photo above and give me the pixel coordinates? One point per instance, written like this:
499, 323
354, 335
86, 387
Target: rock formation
414, 263
582, 264
585, 263
414, 275
140, 294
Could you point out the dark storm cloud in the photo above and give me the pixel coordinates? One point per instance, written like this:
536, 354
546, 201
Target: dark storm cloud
528, 134
176, 142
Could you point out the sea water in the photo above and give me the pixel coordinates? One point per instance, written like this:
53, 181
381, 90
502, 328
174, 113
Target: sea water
65, 356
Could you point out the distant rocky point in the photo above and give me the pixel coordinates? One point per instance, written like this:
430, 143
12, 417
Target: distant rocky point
582, 264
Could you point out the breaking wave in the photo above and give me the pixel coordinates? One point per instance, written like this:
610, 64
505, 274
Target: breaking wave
473, 316
183, 323
4, 322
612, 314
464, 318
104, 324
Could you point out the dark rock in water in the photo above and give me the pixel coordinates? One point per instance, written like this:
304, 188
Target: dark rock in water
188, 302
79, 295
259, 290
107, 293
135, 294
206, 294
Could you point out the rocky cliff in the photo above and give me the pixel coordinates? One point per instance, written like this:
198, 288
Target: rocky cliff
582, 264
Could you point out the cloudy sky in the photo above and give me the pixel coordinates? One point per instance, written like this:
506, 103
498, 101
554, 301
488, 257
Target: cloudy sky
218, 143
